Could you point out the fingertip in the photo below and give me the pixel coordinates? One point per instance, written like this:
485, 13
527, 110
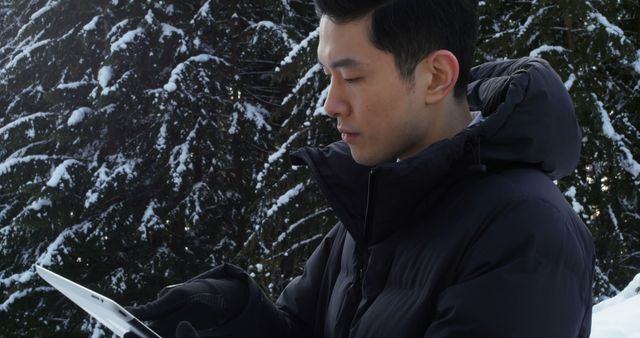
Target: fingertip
133, 310
186, 330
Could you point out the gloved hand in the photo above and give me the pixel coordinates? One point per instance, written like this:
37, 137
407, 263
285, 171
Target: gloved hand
185, 330
204, 303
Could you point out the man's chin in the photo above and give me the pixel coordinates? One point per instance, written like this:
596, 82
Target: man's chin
365, 159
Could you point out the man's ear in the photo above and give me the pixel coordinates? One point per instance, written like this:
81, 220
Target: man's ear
443, 70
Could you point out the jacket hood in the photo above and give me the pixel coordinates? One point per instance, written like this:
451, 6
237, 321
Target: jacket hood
529, 116
529, 121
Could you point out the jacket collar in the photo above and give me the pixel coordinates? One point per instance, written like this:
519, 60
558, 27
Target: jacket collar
392, 191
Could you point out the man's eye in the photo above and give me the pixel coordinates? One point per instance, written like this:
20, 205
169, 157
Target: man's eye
352, 80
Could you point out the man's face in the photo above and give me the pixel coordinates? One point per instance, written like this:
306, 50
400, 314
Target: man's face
378, 114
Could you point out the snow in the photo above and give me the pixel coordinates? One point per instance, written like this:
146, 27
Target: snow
104, 176
295, 225
46, 258
205, 10
149, 212
46, 8
234, 123
128, 37
7, 166
577, 207
546, 48
176, 73
116, 27
608, 287
273, 157
118, 280
72, 85
170, 9
40, 203
286, 5
628, 162
149, 18
25, 150
308, 75
285, 198
614, 221
25, 53
632, 290
3, 214
617, 317
609, 27
636, 64
162, 135
569, 83
17, 278
320, 102
525, 26
4, 307
30, 133
300, 244
22, 120
168, 30
60, 173
104, 76
12, 298
78, 115
97, 331
302, 45
283, 149
607, 127
150, 220
92, 24
272, 26
257, 114
180, 160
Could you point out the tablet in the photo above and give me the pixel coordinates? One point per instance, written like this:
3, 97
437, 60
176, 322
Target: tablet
103, 309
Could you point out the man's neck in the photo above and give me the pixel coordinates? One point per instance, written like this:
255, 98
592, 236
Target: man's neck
453, 117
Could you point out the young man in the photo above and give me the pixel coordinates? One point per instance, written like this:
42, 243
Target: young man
451, 225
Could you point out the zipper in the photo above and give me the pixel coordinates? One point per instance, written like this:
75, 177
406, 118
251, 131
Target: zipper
361, 251
368, 215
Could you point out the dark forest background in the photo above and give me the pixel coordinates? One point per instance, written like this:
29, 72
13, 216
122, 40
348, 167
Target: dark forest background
143, 142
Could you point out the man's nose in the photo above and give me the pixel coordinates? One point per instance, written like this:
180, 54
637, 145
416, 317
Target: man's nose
335, 105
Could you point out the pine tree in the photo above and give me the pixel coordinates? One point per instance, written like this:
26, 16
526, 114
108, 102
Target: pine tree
292, 216
130, 133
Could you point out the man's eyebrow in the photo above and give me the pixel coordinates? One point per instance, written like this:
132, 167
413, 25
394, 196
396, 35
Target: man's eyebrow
344, 63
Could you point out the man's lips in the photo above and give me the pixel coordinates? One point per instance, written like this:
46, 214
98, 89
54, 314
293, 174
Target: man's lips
347, 135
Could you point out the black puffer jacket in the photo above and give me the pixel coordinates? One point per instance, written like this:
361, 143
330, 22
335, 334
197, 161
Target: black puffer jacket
470, 238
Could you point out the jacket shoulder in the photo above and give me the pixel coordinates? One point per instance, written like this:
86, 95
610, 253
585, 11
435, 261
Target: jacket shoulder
517, 183
520, 210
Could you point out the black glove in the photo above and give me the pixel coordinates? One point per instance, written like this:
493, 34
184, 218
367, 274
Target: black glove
204, 303
185, 330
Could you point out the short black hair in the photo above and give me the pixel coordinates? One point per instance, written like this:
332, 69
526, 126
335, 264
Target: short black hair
411, 29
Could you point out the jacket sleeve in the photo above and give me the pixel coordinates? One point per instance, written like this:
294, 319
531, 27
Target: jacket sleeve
528, 273
294, 314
